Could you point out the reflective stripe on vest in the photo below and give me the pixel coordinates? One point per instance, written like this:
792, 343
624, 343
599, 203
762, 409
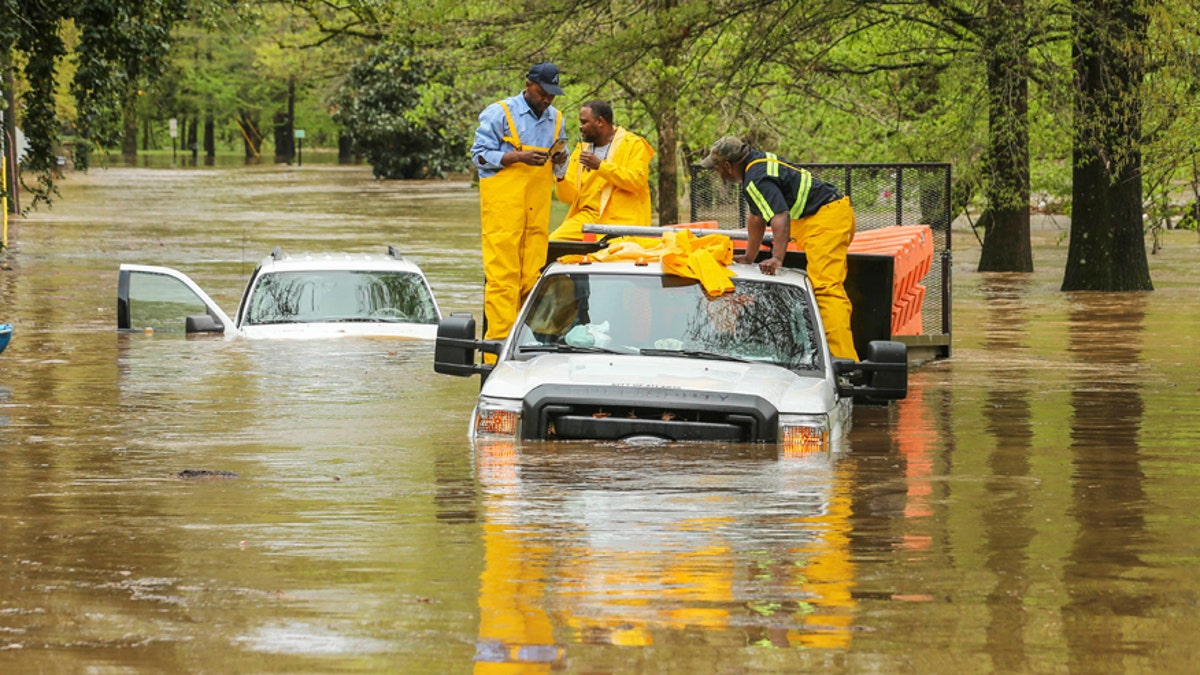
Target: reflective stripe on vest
773, 163
515, 139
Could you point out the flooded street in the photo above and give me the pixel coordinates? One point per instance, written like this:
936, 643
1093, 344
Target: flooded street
1032, 506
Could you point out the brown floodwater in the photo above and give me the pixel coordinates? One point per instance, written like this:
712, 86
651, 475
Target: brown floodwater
1032, 506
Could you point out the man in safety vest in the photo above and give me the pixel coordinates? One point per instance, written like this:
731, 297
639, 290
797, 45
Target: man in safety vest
514, 151
608, 181
800, 209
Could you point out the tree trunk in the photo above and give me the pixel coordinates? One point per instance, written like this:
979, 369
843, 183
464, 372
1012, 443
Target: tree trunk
251, 138
193, 141
285, 128
1006, 245
129, 139
667, 122
210, 141
668, 173
1108, 246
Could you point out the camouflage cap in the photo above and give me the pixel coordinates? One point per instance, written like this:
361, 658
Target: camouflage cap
727, 149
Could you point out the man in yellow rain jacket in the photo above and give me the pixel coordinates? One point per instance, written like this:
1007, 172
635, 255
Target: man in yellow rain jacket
608, 178
513, 153
801, 209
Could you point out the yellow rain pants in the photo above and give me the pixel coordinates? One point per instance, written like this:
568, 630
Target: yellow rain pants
515, 211
825, 237
515, 214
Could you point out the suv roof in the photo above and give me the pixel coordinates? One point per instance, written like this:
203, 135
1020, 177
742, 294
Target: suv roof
280, 261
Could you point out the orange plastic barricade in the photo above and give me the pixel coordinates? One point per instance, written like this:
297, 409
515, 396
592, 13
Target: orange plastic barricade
911, 247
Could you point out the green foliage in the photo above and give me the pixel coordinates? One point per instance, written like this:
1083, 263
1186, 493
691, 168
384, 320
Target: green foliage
119, 45
394, 106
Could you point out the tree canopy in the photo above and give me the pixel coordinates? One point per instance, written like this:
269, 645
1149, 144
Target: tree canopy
117, 47
988, 85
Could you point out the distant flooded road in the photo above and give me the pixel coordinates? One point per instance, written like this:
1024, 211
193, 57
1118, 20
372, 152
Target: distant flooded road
1033, 506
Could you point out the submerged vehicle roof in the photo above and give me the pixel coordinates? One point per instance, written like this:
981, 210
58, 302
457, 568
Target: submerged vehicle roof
282, 261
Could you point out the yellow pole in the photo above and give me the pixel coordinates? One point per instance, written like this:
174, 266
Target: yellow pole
4, 199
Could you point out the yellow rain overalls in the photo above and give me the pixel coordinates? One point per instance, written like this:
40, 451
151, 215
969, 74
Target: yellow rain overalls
618, 193
824, 237
515, 213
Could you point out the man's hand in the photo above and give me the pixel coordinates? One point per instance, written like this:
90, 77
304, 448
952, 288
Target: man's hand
769, 265
589, 160
532, 157
559, 157
744, 258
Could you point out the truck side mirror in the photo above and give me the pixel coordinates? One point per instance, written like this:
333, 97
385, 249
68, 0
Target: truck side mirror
881, 377
454, 352
202, 323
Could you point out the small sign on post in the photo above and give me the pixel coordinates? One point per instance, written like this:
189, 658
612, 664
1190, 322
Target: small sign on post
173, 125
299, 147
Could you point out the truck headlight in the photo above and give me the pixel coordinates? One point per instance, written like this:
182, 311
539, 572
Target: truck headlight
497, 418
803, 434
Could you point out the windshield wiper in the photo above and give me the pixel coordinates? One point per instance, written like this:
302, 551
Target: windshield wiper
693, 354
568, 349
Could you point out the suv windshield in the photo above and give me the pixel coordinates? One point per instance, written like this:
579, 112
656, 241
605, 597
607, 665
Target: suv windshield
339, 295
664, 315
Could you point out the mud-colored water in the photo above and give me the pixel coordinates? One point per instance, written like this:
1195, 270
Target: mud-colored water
1031, 507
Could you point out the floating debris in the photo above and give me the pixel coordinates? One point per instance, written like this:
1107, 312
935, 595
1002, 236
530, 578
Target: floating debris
206, 474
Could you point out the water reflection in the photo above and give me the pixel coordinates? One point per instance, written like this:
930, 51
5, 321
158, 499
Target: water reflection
620, 546
1107, 493
1010, 495
1031, 507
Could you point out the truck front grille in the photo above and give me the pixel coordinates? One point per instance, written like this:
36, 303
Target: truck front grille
607, 412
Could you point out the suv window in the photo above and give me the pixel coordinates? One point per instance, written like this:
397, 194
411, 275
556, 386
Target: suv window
759, 321
340, 295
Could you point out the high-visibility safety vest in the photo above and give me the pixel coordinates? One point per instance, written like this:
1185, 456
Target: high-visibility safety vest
773, 163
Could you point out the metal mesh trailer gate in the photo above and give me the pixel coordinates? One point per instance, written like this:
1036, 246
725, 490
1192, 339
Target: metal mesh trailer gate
882, 195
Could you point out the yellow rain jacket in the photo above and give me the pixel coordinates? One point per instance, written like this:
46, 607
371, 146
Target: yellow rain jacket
618, 193
705, 259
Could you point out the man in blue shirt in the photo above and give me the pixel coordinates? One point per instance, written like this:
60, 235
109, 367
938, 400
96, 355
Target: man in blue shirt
515, 154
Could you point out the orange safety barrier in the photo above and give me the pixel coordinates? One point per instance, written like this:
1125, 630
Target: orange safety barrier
915, 326
906, 309
911, 247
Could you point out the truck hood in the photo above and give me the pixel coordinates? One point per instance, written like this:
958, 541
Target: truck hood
788, 391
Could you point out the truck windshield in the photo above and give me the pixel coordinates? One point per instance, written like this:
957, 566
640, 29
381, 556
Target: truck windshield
759, 321
316, 296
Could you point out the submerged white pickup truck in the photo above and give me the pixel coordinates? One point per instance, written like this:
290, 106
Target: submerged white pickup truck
625, 351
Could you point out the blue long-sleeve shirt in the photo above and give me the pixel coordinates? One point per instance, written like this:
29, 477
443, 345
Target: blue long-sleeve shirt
534, 131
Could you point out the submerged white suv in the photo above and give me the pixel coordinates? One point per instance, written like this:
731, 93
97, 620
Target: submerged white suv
301, 296
624, 351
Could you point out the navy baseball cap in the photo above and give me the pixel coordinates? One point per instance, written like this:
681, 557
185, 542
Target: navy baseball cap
546, 74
